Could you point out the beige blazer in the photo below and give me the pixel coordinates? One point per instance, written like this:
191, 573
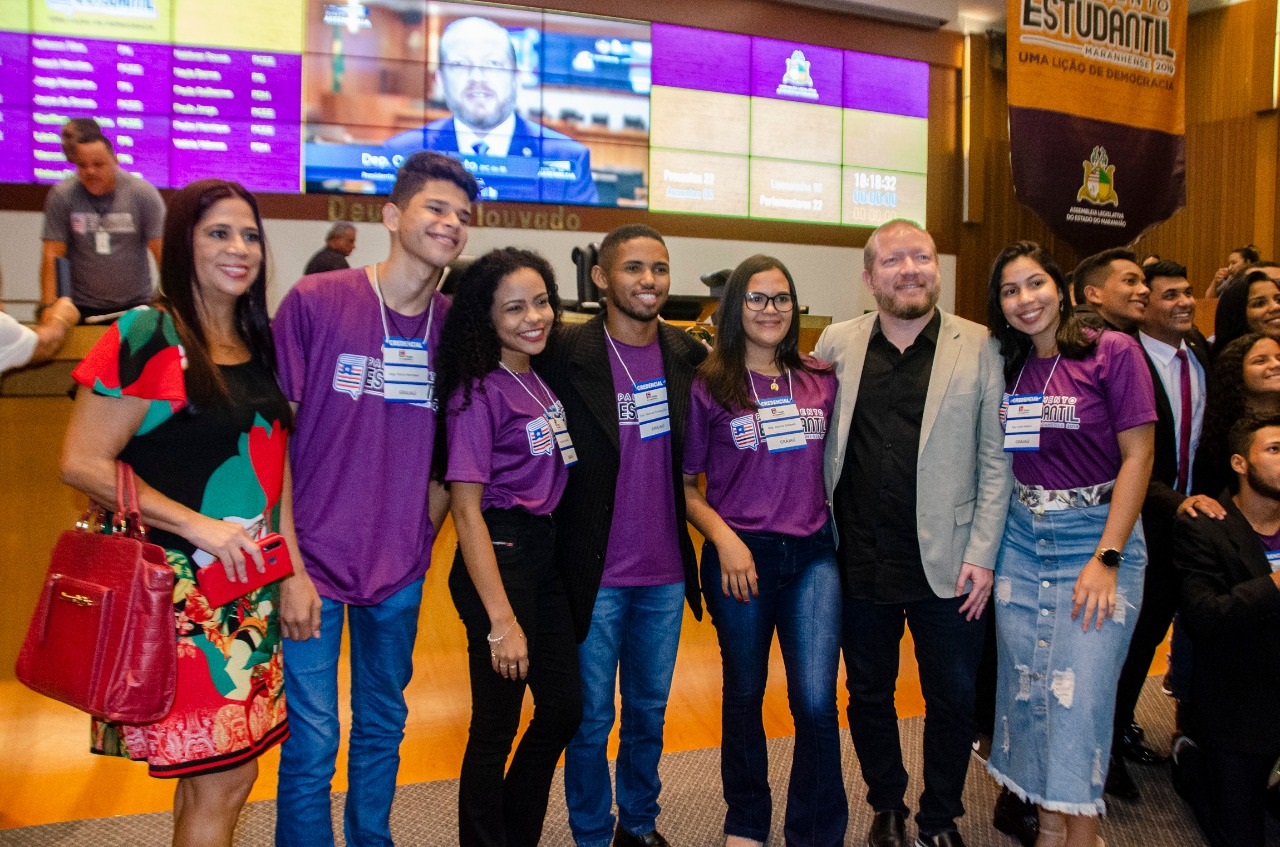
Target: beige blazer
963, 475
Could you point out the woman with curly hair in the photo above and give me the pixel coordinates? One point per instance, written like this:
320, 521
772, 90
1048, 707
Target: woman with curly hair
187, 395
1246, 381
757, 419
505, 459
1079, 426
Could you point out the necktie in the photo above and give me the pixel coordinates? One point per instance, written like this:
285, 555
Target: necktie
480, 148
1184, 421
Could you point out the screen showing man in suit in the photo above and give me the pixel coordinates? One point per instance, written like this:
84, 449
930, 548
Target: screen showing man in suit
512, 158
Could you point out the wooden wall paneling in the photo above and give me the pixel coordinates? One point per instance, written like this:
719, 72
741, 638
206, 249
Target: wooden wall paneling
1266, 22
943, 193
1266, 185
973, 147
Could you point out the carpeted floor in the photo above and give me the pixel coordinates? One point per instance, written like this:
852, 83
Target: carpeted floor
693, 809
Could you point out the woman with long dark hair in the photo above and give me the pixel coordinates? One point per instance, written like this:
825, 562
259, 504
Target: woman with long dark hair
506, 457
756, 425
1250, 302
187, 396
1245, 382
1079, 428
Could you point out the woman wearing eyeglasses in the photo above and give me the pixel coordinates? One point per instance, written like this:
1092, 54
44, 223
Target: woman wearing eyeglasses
756, 423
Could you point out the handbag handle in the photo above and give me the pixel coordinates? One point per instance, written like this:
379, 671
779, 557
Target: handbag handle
128, 516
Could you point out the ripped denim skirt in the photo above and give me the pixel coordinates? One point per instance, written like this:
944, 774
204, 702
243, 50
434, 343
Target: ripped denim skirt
1056, 687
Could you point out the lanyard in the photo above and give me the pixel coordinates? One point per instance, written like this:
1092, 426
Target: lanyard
382, 310
621, 361
543, 404
1018, 381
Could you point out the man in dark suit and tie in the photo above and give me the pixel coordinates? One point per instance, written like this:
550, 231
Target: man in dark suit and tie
1177, 355
511, 158
1230, 605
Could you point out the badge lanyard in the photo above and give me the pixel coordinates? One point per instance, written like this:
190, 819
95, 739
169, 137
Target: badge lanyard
1023, 414
553, 413
406, 373
1273, 559
652, 410
779, 419
102, 236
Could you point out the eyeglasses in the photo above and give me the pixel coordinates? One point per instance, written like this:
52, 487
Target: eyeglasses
758, 302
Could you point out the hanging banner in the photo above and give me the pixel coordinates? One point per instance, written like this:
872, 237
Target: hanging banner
1097, 115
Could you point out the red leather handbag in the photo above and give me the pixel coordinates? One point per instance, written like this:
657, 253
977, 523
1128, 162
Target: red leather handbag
103, 635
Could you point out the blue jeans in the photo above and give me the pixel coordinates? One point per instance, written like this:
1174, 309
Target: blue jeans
799, 585
1056, 685
382, 639
634, 632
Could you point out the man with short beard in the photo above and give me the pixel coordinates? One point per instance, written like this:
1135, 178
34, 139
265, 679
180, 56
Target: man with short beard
1231, 609
920, 487
622, 543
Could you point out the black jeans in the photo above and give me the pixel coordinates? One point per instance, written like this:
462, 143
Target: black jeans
1228, 794
948, 649
494, 809
1161, 592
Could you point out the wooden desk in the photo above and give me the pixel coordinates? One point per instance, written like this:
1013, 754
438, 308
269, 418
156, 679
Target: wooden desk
53, 378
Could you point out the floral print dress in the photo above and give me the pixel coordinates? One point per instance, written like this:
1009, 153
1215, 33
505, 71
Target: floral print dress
228, 464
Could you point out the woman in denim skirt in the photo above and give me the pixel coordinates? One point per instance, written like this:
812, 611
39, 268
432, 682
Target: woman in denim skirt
1079, 431
756, 424
507, 450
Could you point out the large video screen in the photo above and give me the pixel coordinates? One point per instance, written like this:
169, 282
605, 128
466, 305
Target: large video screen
321, 97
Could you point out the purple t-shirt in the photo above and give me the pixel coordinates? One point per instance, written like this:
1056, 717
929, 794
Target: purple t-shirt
1087, 401
743, 477
504, 441
360, 465
644, 548
1271, 545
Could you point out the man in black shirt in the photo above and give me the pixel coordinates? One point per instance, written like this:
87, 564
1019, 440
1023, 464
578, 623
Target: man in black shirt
338, 245
920, 487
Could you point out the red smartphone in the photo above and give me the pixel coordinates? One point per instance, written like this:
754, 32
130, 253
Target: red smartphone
219, 590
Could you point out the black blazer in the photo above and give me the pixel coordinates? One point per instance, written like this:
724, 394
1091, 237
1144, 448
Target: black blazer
576, 367
1231, 609
1161, 504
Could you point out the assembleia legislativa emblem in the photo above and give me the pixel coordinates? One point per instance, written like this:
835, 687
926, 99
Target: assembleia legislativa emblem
1099, 180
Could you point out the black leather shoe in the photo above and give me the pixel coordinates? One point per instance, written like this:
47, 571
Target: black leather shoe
1119, 783
1130, 745
888, 829
1014, 816
950, 838
622, 838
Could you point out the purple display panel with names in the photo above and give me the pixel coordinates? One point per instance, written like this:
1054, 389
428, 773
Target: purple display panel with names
15, 145
90, 76
260, 155
210, 82
700, 59
141, 143
886, 84
803, 73
15, 70
15, 110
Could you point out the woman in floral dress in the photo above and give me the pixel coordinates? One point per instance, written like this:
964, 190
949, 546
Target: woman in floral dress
186, 394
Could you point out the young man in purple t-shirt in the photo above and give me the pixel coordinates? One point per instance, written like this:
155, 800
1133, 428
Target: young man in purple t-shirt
622, 542
356, 352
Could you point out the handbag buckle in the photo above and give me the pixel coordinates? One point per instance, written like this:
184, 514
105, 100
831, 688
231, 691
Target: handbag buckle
78, 599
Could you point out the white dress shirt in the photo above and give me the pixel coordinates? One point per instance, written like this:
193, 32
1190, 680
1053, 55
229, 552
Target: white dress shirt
1164, 358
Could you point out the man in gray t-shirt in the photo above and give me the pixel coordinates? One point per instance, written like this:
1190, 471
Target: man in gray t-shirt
104, 221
